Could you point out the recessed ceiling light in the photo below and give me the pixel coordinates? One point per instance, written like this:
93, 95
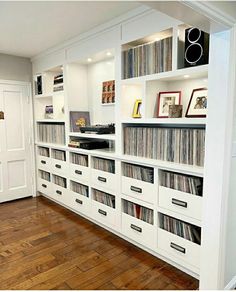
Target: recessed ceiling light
108, 63
204, 80
89, 60
157, 39
108, 53
186, 76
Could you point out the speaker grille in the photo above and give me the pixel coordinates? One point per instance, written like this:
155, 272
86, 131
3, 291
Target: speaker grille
194, 35
193, 53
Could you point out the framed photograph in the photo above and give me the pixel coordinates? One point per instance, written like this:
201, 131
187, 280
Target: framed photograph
79, 119
165, 99
197, 107
136, 110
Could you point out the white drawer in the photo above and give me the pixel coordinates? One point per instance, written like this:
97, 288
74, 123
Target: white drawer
179, 249
44, 163
59, 166
104, 179
80, 173
79, 203
44, 187
61, 194
138, 230
139, 189
180, 202
104, 214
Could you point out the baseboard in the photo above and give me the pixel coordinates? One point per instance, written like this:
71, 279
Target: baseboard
231, 285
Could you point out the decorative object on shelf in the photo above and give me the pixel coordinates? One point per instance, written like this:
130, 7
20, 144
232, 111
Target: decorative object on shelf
58, 83
79, 119
165, 99
99, 129
87, 144
38, 85
196, 47
197, 107
175, 111
137, 107
108, 92
1, 115
49, 112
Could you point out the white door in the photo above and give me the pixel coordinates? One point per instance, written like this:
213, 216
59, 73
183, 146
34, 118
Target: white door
16, 166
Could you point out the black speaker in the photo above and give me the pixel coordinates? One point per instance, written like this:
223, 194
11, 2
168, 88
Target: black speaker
39, 88
196, 47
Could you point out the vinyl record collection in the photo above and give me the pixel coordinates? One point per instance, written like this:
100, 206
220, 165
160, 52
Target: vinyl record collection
138, 172
149, 58
104, 164
60, 181
179, 145
44, 175
43, 151
79, 188
79, 159
51, 133
138, 211
181, 182
180, 228
59, 154
104, 198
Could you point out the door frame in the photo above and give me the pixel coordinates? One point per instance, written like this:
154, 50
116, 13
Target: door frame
32, 148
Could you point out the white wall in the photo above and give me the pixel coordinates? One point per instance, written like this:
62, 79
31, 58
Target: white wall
15, 68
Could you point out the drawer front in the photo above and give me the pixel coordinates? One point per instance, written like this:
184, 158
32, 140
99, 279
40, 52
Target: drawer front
179, 202
139, 189
79, 173
138, 230
104, 214
179, 249
44, 163
58, 166
79, 203
61, 194
104, 179
45, 187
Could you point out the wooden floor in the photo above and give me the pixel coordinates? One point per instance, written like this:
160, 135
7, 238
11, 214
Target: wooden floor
44, 246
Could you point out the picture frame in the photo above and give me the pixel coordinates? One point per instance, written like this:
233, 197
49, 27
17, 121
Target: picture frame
136, 110
197, 107
165, 99
78, 119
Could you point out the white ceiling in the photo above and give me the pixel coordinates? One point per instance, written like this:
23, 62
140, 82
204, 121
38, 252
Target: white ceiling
27, 28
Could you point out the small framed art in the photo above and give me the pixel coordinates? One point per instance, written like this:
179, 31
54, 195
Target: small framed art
79, 119
197, 107
165, 99
136, 110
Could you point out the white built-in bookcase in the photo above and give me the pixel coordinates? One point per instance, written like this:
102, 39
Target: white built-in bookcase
82, 92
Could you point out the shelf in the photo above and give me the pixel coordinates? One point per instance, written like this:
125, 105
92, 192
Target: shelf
51, 145
46, 95
50, 121
108, 104
167, 121
193, 72
171, 166
94, 136
110, 153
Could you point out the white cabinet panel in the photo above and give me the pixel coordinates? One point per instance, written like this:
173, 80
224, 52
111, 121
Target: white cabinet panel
16, 174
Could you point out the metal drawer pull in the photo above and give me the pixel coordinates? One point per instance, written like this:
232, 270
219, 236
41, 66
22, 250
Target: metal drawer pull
79, 201
177, 247
58, 165
44, 186
135, 189
103, 179
179, 203
139, 229
104, 213
59, 192
43, 161
78, 172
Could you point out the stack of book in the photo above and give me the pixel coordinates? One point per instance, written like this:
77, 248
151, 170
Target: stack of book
58, 83
43, 151
179, 145
79, 159
138, 172
79, 188
182, 182
59, 154
148, 59
44, 175
138, 211
104, 164
180, 228
60, 181
51, 133
104, 198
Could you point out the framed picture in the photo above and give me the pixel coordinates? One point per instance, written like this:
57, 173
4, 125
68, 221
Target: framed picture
136, 110
197, 107
165, 99
79, 119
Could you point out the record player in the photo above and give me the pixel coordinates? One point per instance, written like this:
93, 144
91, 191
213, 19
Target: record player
99, 129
